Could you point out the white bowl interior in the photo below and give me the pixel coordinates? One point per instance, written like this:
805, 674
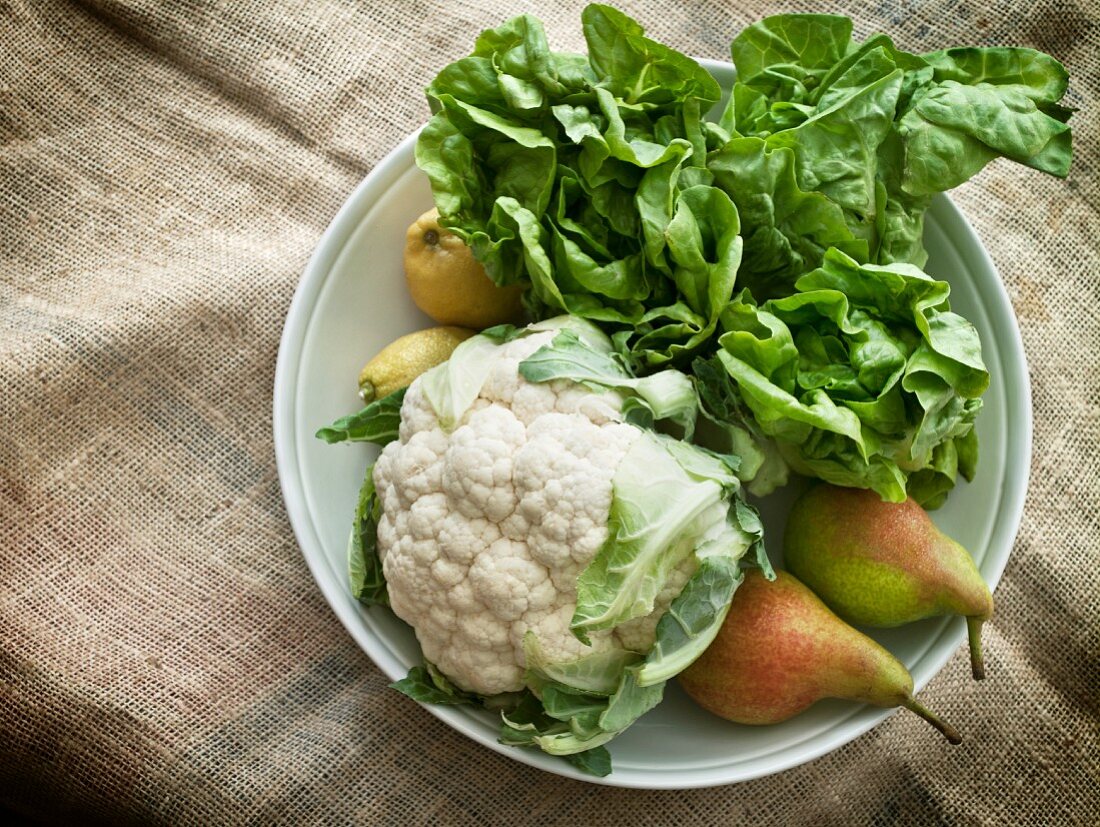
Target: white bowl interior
352, 301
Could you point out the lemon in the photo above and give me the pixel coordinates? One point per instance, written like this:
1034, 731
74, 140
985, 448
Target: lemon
402, 360
448, 283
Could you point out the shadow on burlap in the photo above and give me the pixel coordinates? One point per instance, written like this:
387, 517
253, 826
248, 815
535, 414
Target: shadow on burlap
165, 172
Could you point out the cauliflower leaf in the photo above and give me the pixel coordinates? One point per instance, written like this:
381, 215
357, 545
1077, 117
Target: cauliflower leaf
368, 584
376, 423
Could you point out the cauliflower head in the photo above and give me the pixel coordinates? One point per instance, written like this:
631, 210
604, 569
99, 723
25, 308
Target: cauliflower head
485, 526
558, 558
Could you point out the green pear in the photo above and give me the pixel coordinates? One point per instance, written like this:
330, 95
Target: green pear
883, 564
780, 650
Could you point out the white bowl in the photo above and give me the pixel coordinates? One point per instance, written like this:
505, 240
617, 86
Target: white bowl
352, 301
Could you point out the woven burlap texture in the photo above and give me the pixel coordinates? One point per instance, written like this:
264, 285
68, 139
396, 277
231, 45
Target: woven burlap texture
166, 170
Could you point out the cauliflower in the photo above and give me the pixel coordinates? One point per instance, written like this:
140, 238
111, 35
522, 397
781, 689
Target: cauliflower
484, 531
534, 530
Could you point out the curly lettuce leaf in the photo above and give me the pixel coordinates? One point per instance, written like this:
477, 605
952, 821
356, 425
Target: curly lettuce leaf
863, 378
585, 179
638, 69
836, 148
879, 130
785, 56
727, 427
954, 129
786, 230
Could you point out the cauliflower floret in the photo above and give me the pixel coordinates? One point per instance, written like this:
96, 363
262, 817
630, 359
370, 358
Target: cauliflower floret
563, 479
484, 531
477, 464
556, 640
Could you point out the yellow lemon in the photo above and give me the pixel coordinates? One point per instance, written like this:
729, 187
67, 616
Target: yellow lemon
449, 284
402, 360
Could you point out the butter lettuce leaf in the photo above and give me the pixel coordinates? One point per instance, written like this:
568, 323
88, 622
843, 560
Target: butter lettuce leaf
864, 377
786, 229
585, 179
879, 130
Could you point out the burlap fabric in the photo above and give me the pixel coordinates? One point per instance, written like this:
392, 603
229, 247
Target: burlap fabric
166, 169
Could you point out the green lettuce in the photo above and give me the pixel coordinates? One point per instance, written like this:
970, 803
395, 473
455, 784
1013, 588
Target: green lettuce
863, 377
726, 425
786, 230
877, 131
585, 178
598, 181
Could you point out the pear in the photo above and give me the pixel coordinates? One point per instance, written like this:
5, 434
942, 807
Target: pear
883, 564
780, 650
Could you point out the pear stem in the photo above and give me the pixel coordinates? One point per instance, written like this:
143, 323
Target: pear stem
948, 731
974, 634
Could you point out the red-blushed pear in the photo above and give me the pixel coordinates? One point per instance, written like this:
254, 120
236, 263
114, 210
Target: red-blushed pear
780, 650
883, 564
